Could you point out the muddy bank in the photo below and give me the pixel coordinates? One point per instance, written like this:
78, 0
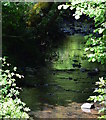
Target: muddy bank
72, 111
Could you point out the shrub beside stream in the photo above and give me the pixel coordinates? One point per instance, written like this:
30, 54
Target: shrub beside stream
10, 105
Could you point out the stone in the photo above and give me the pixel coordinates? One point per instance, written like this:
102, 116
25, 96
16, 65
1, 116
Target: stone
77, 65
70, 78
88, 106
93, 72
83, 69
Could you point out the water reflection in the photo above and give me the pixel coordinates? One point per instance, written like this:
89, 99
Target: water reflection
71, 54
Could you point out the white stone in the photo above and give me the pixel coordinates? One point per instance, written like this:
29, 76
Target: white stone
87, 106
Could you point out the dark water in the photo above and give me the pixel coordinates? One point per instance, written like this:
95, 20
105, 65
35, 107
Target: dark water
69, 79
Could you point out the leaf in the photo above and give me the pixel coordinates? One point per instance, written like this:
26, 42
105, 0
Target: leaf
15, 68
86, 49
90, 55
65, 6
93, 59
91, 49
101, 30
77, 17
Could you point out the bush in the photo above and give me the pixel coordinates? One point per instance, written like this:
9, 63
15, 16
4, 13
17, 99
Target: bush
10, 105
101, 94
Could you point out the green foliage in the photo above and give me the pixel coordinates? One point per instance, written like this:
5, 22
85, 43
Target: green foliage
41, 15
10, 105
38, 11
101, 94
95, 9
14, 16
27, 30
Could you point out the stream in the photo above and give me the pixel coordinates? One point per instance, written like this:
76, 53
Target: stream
59, 90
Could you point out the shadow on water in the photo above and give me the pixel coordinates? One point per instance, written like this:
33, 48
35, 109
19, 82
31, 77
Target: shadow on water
69, 79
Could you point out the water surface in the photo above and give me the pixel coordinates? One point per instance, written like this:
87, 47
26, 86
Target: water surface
66, 85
